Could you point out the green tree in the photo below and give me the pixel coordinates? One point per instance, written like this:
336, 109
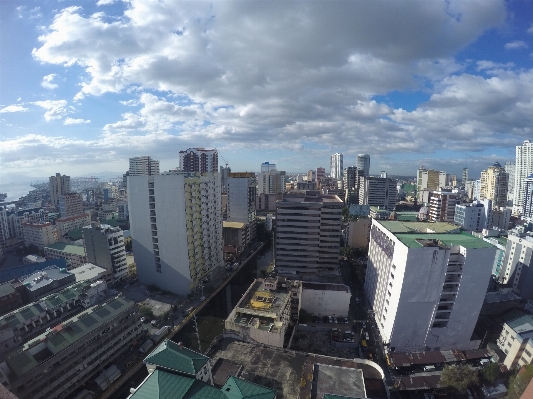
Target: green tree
519, 382
304, 316
490, 373
345, 214
146, 311
459, 377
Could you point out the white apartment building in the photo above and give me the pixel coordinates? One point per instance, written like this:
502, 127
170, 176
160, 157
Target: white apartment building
143, 166
516, 341
73, 254
64, 225
272, 182
426, 290
517, 267
104, 246
59, 185
510, 168
39, 234
442, 206
336, 166
308, 235
494, 184
242, 193
524, 167
362, 162
527, 210
475, 216
378, 191
176, 228
429, 180
199, 160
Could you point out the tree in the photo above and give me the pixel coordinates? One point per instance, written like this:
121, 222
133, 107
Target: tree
490, 373
304, 316
146, 311
459, 377
519, 382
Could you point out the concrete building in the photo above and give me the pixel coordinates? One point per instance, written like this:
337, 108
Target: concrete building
242, 194
464, 177
378, 191
73, 254
336, 166
176, 228
501, 217
320, 173
429, 180
92, 273
527, 210
70, 204
442, 206
45, 282
199, 160
267, 202
236, 235
322, 299
224, 174
362, 162
475, 216
308, 233
351, 185
64, 225
9, 298
268, 167
357, 233
426, 290
39, 234
143, 166
104, 246
29, 259
517, 267
516, 341
523, 168
123, 212
59, 185
57, 362
272, 182
510, 168
265, 311
494, 185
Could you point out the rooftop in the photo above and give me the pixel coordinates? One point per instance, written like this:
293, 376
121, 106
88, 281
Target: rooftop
54, 341
71, 249
6, 289
172, 356
42, 278
237, 388
257, 299
339, 381
448, 240
395, 226
522, 325
233, 225
87, 271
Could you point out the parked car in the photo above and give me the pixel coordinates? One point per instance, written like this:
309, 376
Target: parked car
202, 298
143, 319
345, 320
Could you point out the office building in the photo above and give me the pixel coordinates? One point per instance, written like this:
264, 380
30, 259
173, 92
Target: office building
442, 206
199, 160
464, 178
523, 168
362, 163
272, 182
59, 185
475, 216
501, 217
510, 167
268, 167
70, 204
224, 174
267, 202
351, 185
308, 235
378, 191
428, 180
143, 166
516, 341
104, 246
517, 267
527, 209
311, 175
123, 212
39, 234
242, 193
426, 289
74, 255
336, 166
494, 184
57, 362
176, 228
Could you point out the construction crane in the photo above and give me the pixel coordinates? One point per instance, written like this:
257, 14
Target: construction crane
224, 159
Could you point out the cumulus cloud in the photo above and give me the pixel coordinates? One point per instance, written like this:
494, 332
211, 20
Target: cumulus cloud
47, 82
56, 109
517, 44
105, 2
71, 121
13, 108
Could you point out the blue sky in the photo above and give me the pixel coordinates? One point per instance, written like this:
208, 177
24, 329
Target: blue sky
84, 85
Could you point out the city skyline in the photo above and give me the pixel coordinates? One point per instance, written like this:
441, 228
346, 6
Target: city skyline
86, 86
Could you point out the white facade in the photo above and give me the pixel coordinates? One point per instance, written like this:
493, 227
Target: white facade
426, 290
176, 228
326, 299
58, 185
272, 182
442, 206
199, 160
242, 193
475, 216
524, 167
517, 267
143, 166
516, 341
378, 191
336, 166
510, 168
362, 163
39, 234
64, 225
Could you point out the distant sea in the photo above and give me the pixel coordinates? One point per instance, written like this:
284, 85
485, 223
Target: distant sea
15, 190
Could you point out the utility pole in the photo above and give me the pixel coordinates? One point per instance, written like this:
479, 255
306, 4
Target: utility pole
197, 333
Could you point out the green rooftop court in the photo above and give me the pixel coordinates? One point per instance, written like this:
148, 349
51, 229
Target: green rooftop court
71, 249
448, 240
395, 226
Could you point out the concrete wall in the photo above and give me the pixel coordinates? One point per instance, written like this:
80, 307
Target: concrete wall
326, 302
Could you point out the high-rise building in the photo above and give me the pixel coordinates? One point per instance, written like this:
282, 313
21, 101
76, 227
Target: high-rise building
378, 191
465, 176
475, 216
224, 174
494, 184
272, 182
176, 228
336, 166
351, 185
311, 175
308, 235
442, 206
320, 173
199, 160
510, 167
524, 167
429, 180
70, 204
527, 211
362, 163
517, 267
104, 246
426, 290
58, 185
143, 166
268, 167
242, 193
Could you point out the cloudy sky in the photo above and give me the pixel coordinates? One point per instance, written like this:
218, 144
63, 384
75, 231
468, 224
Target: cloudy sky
86, 84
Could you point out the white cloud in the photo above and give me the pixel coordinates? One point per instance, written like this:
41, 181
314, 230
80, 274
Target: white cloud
530, 30
71, 121
55, 108
517, 44
13, 108
47, 82
105, 2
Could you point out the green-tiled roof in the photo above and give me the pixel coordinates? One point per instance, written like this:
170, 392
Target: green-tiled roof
466, 241
236, 388
71, 249
170, 356
164, 385
406, 216
75, 234
396, 226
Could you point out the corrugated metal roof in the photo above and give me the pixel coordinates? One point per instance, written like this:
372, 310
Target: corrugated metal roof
236, 388
169, 355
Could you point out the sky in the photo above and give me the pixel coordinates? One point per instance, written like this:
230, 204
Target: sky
84, 84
